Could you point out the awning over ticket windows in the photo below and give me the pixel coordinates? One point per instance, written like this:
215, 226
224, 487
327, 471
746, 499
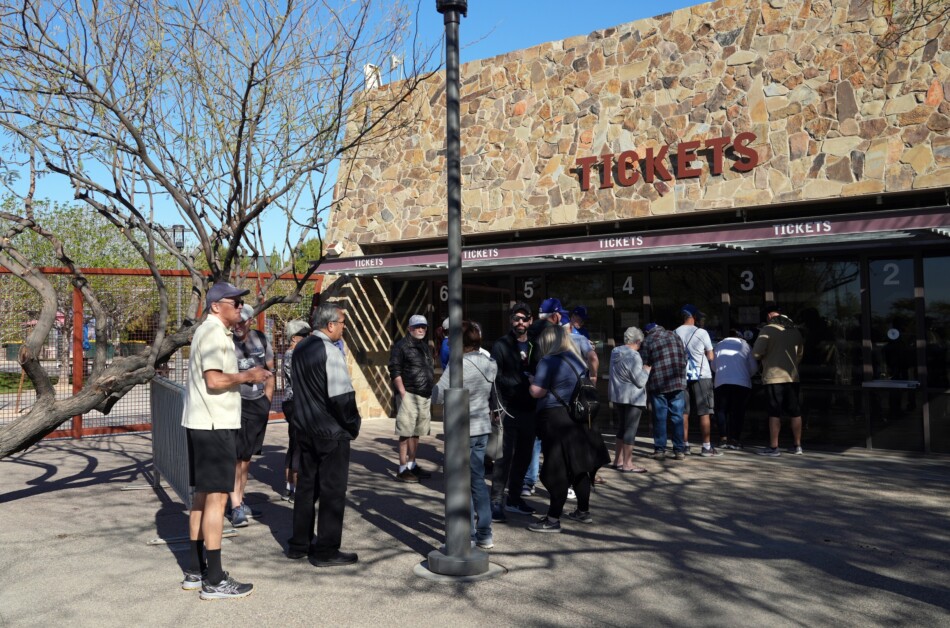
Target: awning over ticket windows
807, 235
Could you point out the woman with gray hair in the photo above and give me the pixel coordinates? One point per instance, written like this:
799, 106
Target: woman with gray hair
627, 393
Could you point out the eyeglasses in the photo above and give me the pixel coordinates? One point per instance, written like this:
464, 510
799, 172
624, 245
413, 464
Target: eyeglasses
236, 302
339, 322
520, 319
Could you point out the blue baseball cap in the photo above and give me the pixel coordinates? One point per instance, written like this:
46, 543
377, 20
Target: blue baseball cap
649, 327
223, 290
581, 311
692, 310
552, 305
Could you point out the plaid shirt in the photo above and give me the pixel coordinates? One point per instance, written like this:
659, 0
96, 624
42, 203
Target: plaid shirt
664, 351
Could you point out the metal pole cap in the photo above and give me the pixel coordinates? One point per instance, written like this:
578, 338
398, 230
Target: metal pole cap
444, 6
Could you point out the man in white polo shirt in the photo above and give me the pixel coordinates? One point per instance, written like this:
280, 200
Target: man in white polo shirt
212, 416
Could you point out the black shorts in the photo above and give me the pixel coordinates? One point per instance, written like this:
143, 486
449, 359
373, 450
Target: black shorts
783, 400
250, 438
211, 460
700, 397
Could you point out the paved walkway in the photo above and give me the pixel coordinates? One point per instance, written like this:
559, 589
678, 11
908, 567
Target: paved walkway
822, 539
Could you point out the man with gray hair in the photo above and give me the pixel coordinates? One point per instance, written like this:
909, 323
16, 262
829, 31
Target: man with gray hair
325, 419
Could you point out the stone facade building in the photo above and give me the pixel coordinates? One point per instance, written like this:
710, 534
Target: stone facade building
701, 155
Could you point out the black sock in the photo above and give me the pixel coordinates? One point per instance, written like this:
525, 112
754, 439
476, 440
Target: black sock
198, 561
215, 573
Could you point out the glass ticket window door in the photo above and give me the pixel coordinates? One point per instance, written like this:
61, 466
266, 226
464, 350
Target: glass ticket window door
894, 396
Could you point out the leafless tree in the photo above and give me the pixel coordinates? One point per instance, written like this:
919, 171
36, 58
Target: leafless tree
224, 115
911, 24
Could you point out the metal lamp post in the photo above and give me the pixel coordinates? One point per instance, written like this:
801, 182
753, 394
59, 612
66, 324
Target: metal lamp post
458, 559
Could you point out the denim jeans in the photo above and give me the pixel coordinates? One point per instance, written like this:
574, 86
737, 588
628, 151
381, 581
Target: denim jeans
668, 406
531, 477
481, 501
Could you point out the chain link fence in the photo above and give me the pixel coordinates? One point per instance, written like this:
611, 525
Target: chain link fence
131, 301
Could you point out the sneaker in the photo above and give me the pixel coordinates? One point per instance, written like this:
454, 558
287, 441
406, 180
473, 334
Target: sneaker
485, 544
545, 525
498, 513
770, 451
521, 508
227, 588
796, 450
710, 452
238, 518
407, 476
527, 491
733, 446
420, 473
292, 495
580, 517
192, 581
571, 494
680, 455
687, 450
249, 512
287, 495
659, 454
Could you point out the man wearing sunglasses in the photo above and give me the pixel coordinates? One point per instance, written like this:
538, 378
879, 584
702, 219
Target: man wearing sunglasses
412, 371
512, 353
212, 417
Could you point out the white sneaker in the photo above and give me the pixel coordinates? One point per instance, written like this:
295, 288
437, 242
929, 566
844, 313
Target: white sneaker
527, 491
570, 494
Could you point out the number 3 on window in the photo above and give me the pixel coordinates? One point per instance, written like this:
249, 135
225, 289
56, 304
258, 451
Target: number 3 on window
748, 280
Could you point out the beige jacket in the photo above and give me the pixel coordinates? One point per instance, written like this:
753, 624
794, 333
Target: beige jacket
780, 349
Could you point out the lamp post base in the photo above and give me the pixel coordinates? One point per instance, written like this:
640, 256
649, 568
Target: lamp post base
474, 564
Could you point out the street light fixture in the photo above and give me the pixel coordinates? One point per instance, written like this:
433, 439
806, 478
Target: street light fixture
459, 558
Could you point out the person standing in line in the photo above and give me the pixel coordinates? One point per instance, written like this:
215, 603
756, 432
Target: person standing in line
664, 353
413, 375
585, 348
211, 418
295, 331
700, 398
444, 345
578, 320
572, 452
627, 392
512, 354
780, 348
478, 377
735, 367
326, 420
252, 350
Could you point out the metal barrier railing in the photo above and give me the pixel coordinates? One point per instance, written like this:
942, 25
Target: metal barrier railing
169, 439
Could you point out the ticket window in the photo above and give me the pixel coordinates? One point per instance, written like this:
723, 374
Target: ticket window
589, 289
673, 287
746, 285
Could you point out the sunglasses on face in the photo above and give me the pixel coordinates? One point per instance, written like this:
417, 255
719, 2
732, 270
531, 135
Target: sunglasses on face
235, 302
520, 319
419, 327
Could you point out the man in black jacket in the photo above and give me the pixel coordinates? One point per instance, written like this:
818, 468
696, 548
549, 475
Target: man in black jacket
326, 419
412, 371
512, 353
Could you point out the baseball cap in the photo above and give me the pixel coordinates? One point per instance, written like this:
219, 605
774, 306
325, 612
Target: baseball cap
772, 306
222, 290
445, 324
550, 306
649, 327
581, 311
247, 313
418, 320
692, 310
520, 306
296, 328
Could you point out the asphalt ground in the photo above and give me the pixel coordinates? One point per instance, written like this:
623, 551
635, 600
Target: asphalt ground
854, 539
